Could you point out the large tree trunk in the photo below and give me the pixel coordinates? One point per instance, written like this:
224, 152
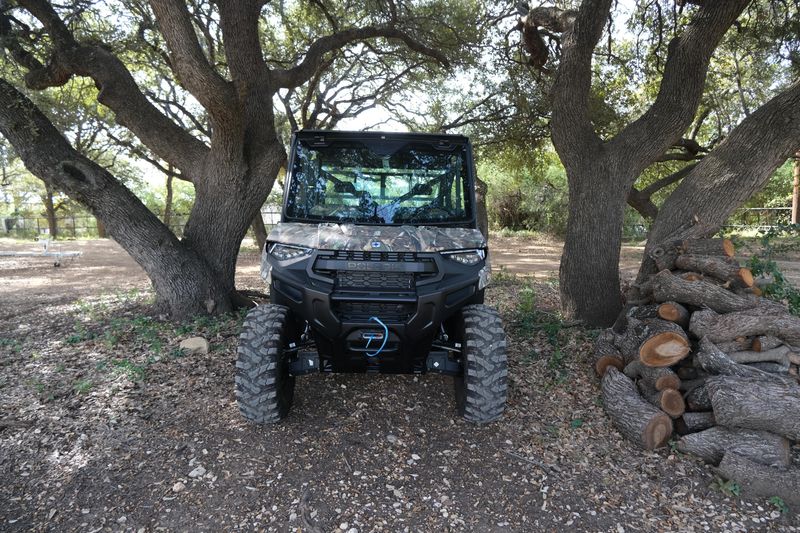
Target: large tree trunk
168, 199
50, 212
796, 190
185, 283
589, 272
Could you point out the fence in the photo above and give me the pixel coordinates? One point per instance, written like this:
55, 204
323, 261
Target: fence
85, 226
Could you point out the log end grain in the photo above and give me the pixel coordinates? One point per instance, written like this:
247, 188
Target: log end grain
603, 363
664, 349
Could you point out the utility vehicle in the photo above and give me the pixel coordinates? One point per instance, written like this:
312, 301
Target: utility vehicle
377, 266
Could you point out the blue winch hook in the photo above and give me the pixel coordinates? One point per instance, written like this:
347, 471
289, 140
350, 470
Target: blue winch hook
385, 337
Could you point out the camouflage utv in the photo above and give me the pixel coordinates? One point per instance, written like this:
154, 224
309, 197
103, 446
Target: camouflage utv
377, 266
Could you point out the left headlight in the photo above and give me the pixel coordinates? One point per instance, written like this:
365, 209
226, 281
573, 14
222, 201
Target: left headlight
466, 257
284, 252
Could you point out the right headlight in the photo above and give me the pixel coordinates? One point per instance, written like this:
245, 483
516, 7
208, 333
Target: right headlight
284, 252
466, 257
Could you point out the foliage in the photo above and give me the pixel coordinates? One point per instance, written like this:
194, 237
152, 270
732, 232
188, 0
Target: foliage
773, 242
727, 487
779, 504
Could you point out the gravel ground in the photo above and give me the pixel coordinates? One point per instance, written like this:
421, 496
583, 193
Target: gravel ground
106, 426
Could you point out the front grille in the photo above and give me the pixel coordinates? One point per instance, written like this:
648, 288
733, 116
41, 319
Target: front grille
391, 313
358, 255
346, 279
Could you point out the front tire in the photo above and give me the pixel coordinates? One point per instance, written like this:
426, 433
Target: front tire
481, 390
264, 387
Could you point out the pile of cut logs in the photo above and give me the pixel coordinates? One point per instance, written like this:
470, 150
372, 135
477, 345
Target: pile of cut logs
706, 357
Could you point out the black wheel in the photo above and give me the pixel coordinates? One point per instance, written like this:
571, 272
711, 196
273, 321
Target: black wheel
264, 388
481, 389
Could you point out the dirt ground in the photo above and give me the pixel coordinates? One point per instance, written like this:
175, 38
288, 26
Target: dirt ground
106, 426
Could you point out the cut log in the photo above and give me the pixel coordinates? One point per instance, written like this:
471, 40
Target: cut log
694, 422
698, 399
717, 268
635, 418
668, 400
643, 312
659, 378
691, 384
713, 361
761, 321
757, 480
691, 276
664, 254
667, 288
674, 312
760, 446
776, 355
629, 341
762, 343
663, 344
739, 344
772, 368
605, 355
765, 404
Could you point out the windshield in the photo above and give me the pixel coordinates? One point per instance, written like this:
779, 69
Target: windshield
381, 182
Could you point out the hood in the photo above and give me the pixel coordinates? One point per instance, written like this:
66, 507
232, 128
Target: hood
331, 236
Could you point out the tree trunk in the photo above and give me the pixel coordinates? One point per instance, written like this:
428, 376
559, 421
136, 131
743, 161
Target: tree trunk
636, 419
721, 328
50, 212
713, 361
712, 444
168, 199
259, 231
758, 480
480, 199
796, 190
184, 282
765, 404
589, 272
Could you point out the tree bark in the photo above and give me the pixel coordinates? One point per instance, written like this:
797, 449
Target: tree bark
50, 212
762, 343
665, 254
168, 201
717, 268
729, 175
713, 361
259, 231
698, 399
761, 447
667, 287
668, 400
758, 480
694, 422
657, 378
776, 355
606, 354
796, 190
635, 418
721, 328
674, 312
763, 404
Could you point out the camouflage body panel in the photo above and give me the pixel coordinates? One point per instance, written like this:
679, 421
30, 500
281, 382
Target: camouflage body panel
331, 236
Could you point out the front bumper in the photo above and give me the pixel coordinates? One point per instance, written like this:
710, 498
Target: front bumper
339, 313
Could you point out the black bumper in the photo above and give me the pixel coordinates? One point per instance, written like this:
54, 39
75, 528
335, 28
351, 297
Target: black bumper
340, 313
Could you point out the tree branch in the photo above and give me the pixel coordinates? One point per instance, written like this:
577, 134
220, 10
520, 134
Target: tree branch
303, 72
117, 90
189, 62
681, 87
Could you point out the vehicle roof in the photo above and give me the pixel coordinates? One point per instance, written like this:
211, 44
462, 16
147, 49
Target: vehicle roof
428, 137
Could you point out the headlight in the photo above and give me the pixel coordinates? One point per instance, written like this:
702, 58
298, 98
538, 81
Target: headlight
466, 257
284, 252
